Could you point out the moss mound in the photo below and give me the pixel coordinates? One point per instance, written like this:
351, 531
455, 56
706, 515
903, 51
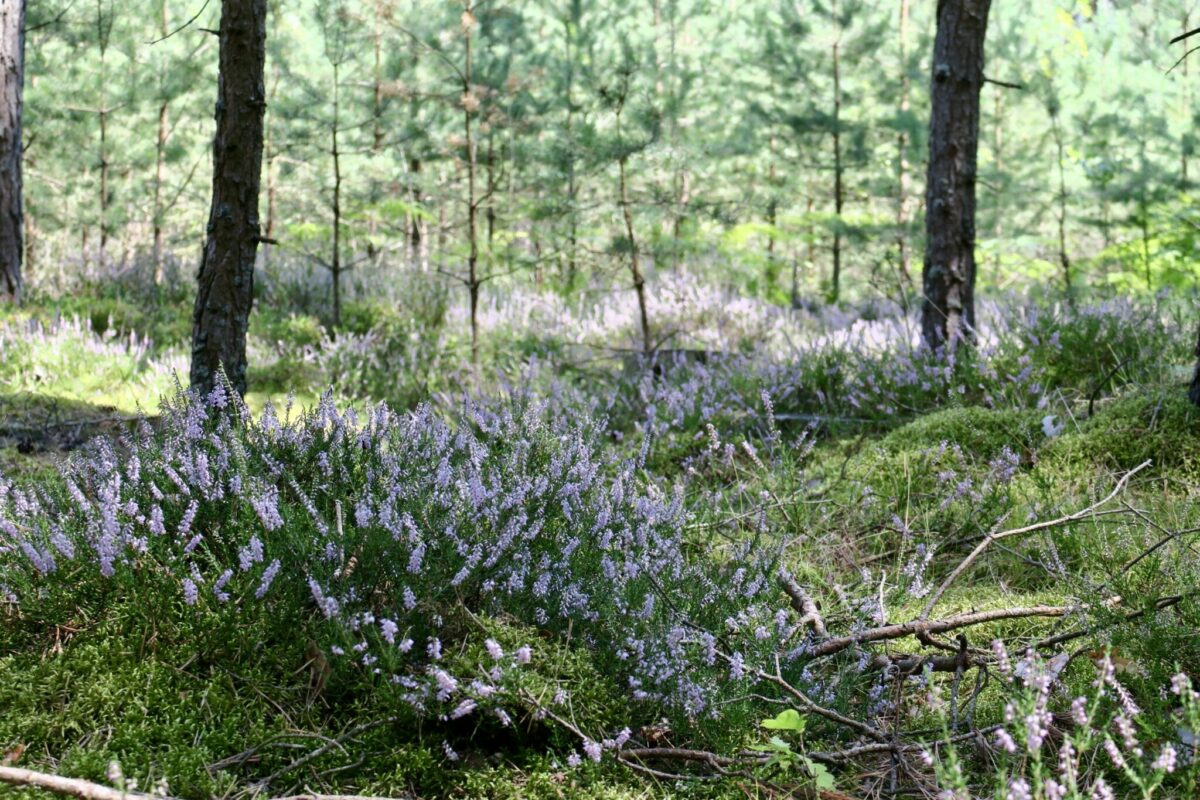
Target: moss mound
1161, 426
980, 432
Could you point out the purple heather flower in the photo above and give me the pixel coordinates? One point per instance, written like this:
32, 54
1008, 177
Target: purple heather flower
593, 749
1166, 759
251, 554
523, 655
267, 577
1110, 747
190, 592
465, 708
494, 649
219, 586
447, 685
1018, 789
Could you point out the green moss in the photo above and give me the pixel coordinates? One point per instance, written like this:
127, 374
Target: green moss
978, 431
1161, 426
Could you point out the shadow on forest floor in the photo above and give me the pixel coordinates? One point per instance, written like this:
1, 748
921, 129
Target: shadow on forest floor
37, 427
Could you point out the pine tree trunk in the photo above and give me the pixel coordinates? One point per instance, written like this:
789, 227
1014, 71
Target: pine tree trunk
839, 194
635, 268
226, 281
473, 281
902, 148
12, 61
948, 315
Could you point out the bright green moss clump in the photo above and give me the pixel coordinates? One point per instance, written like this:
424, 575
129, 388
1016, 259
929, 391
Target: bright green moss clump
1161, 426
981, 432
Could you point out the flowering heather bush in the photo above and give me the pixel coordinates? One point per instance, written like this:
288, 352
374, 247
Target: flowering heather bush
68, 357
385, 526
1099, 746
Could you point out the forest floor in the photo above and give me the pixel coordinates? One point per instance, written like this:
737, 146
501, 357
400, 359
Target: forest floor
872, 472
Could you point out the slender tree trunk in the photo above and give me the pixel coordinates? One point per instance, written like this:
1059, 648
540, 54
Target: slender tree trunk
416, 245
226, 280
102, 34
104, 194
491, 188
835, 283
160, 152
570, 27
335, 263
1063, 258
635, 267
12, 62
902, 186
772, 202
948, 314
377, 73
469, 101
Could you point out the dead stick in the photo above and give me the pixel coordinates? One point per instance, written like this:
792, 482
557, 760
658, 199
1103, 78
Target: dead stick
74, 787
1074, 516
921, 627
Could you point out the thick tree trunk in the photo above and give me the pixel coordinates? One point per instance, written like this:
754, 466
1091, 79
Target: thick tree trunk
948, 315
226, 281
1194, 389
12, 62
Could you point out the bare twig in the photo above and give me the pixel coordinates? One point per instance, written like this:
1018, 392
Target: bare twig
922, 627
87, 790
72, 787
1074, 516
323, 749
804, 605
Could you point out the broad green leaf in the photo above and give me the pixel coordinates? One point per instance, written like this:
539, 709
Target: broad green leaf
789, 720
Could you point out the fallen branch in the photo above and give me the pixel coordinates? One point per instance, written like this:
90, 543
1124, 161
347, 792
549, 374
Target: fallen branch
322, 750
922, 627
72, 787
1074, 516
804, 605
87, 790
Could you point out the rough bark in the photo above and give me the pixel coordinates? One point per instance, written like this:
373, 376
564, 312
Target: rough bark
948, 314
1194, 389
226, 280
12, 62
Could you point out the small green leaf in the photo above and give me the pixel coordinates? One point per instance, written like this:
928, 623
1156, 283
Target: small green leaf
821, 775
789, 720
